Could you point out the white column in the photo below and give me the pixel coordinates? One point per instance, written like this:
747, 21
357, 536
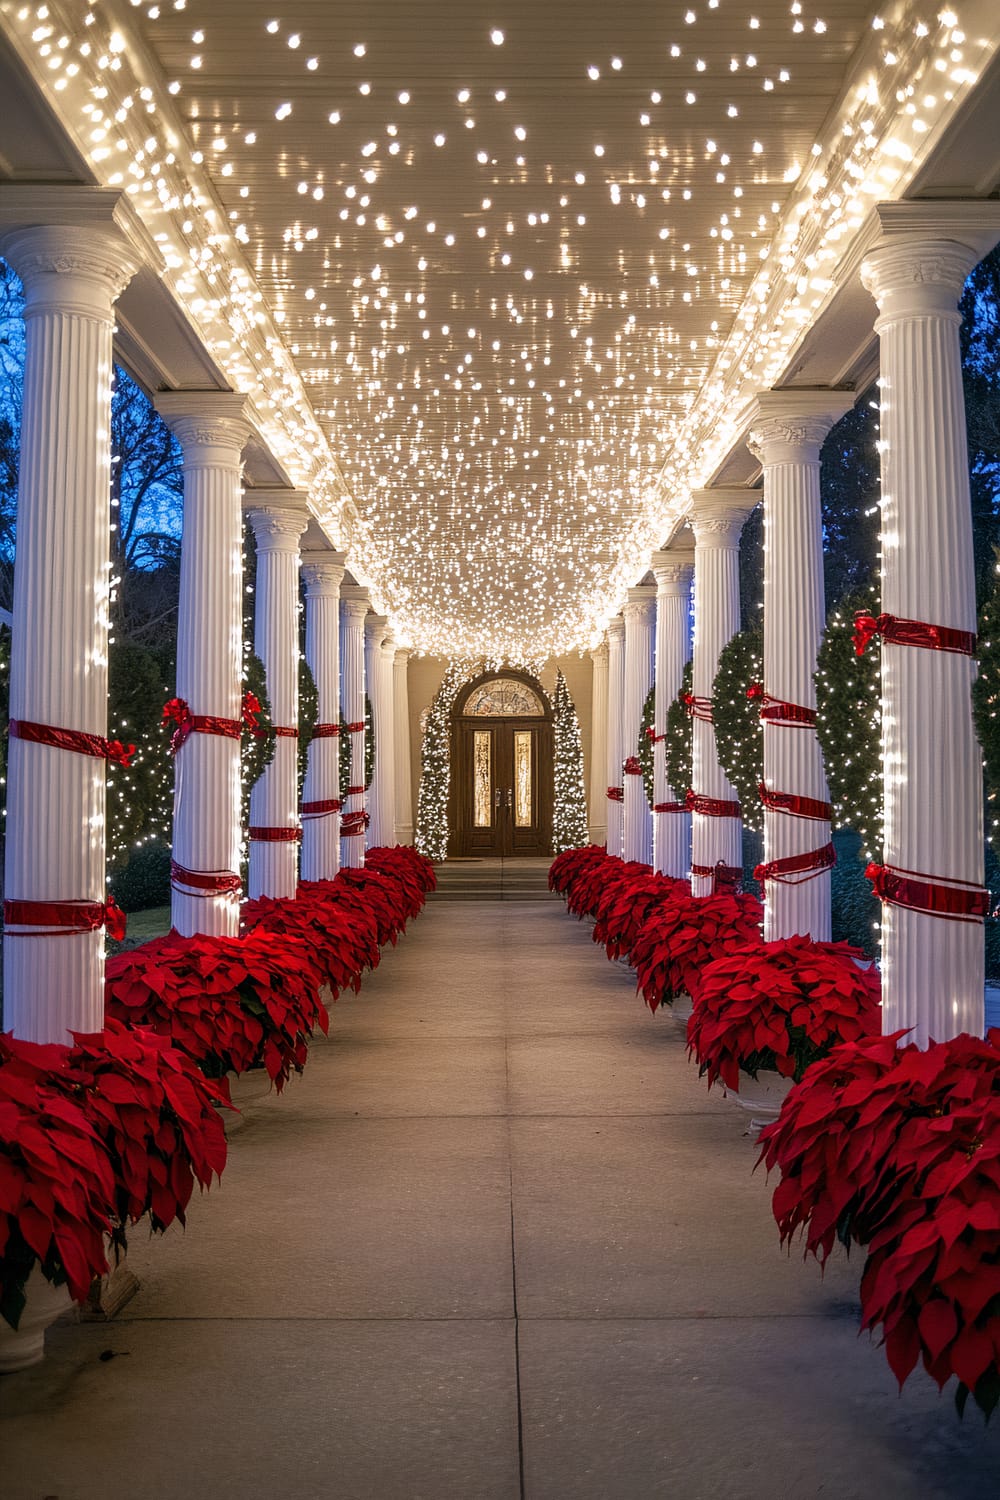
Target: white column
788, 430
616, 739
323, 573
599, 747
640, 637
211, 428
278, 518
53, 975
375, 626
401, 739
932, 966
385, 761
673, 572
353, 609
717, 518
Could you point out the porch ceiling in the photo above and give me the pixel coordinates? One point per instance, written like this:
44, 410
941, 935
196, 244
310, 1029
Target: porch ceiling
523, 263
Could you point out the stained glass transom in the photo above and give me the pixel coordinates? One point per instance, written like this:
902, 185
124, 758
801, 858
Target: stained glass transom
502, 698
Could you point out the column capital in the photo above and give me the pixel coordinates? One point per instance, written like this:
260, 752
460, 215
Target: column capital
278, 518
375, 627
75, 248
717, 515
599, 655
616, 629
323, 572
673, 572
640, 602
354, 602
402, 655
925, 251
211, 426
790, 426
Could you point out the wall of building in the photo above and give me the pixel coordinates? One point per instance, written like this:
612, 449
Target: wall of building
425, 674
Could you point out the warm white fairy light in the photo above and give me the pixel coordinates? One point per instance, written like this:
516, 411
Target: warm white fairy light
508, 490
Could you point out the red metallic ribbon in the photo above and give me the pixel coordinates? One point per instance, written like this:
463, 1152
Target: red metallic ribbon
355, 728
711, 807
275, 835
73, 739
285, 731
779, 711
807, 865
726, 877
321, 809
795, 806
353, 824
633, 766
958, 901
670, 807
653, 737
325, 731
897, 632
188, 723
74, 916
698, 708
616, 794
355, 791
204, 882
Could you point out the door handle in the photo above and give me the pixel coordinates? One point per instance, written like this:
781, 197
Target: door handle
510, 797
496, 798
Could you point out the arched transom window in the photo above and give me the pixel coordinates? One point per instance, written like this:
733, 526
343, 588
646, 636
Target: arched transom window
504, 698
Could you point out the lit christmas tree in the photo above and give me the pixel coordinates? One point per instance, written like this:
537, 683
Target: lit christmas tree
435, 765
569, 824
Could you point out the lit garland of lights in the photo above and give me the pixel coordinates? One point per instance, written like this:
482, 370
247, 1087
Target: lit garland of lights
569, 822
435, 765
679, 746
644, 749
256, 746
849, 722
138, 799
308, 717
986, 699
501, 297
739, 741
345, 749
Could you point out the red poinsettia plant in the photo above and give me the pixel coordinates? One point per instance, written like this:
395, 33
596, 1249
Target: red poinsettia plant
779, 1007
897, 1148
626, 903
230, 1003
680, 938
570, 871
411, 870
341, 943
378, 894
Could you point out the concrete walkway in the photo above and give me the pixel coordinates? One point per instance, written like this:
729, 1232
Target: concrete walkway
497, 1242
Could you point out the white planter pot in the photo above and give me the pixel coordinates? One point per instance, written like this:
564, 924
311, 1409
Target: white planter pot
25, 1345
762, 1098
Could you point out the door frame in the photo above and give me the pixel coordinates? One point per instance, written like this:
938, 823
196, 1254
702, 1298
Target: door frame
460, 831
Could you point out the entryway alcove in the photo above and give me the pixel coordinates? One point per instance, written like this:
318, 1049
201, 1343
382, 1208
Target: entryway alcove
501, 800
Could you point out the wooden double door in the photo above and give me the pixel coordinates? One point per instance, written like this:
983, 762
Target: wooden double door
501, 784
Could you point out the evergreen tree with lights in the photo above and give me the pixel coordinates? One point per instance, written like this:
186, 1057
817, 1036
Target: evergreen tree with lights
569, 824
431, 836
644, 748
680, 751
739, 742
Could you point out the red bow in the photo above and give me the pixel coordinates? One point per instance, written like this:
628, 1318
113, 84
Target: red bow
633, 766
251, 707
176, 710
755, 690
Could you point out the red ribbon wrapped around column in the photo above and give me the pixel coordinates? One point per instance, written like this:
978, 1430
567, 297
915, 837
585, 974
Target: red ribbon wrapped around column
795, 806
899, 632
955, 900
711, 807
321, 809
353, 824
325, 731
698, 708
633, 766
263, 835
724, 877
73, 916
285, 731
204, 882
355, 728
178, 712
807, 866
76, 740
616, 794
670, 807
779, 711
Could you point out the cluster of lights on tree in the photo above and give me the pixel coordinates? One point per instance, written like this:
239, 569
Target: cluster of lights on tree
569, 816
486, 303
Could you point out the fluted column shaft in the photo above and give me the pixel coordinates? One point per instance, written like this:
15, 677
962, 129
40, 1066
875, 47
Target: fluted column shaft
640, 640
932, 967
599, 747
53, 977
673, 572
275, 828
323, 573
211, 429
375, 626
401, 738
717, 519
353, 609
385, 768
616, 737
788, 431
